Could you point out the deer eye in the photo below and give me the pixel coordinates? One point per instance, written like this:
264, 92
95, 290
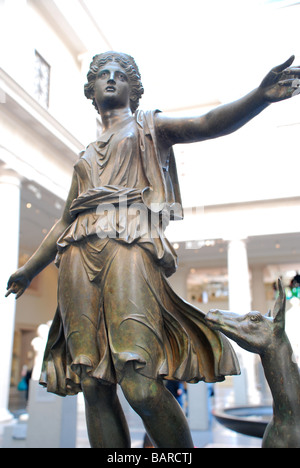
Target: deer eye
255, 317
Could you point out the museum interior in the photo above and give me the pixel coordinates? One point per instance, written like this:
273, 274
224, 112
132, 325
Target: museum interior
240, 193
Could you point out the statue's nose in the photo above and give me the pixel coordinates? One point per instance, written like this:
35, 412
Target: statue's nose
111, 78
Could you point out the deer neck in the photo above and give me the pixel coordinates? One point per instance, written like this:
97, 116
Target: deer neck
282, 374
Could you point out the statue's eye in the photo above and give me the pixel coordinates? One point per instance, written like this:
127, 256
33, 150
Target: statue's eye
122, 77
255, 317
103, 75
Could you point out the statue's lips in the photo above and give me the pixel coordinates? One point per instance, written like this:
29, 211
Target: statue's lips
110, 89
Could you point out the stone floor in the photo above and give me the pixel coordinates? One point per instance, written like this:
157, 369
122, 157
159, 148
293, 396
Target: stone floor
217, 436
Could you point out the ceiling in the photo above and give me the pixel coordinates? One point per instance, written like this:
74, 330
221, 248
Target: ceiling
40, 209
281, 249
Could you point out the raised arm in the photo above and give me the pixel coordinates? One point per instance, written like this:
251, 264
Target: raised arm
282, 82
45, 254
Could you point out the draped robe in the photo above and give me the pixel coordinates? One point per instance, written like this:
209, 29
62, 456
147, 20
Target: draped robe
115, 304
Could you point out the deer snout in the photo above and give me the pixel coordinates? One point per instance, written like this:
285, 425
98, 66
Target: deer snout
214, 317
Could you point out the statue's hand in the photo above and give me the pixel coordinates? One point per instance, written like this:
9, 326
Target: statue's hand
282, 82
18, 283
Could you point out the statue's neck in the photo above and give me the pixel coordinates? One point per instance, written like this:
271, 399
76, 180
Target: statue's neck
283, 377
112, 117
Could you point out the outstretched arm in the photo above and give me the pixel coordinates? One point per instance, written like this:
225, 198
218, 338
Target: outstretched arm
45, 254
282, 82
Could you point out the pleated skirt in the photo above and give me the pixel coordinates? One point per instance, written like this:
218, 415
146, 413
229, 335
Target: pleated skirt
128, 313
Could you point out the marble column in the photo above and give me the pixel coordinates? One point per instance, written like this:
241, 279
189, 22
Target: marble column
238, 277
10, 186
240, 302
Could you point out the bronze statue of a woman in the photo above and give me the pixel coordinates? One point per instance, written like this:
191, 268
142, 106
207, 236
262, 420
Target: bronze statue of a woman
118, 320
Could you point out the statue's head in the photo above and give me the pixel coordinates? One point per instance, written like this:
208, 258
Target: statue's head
130, 68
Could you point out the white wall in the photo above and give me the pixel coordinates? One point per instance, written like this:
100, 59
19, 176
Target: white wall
24, 30
38, 304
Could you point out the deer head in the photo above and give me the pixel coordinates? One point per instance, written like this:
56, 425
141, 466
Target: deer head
253, 331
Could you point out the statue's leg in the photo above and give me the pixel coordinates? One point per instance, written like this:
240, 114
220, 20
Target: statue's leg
79, 307
106, 423
163, 417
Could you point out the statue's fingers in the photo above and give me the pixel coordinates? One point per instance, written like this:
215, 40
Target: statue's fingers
291, 86
292, 71
293, 82
20, 292
284, 65
10, 291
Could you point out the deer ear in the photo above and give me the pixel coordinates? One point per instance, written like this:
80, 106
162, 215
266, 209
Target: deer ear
279, 308
268, 314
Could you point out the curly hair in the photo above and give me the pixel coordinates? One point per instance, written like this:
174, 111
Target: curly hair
130, 68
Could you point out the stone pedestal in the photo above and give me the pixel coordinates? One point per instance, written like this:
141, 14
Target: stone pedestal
52, 419
198, 417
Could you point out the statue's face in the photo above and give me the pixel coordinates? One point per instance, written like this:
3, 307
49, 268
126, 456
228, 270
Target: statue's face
111, 88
